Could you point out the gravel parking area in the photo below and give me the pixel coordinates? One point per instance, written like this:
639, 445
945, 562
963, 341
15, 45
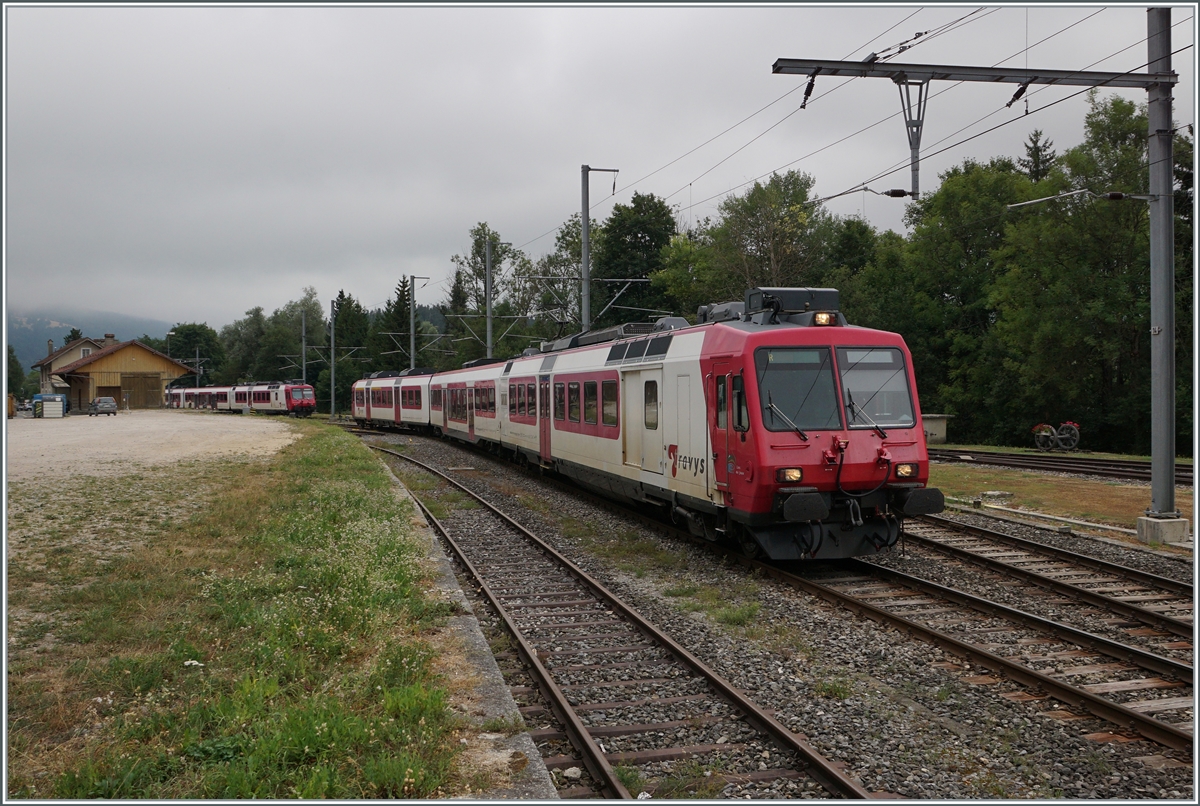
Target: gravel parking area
94, 446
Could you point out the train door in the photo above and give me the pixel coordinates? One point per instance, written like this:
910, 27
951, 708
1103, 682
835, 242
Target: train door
644, 444
720, 425
470, 395
543, 410
684, 460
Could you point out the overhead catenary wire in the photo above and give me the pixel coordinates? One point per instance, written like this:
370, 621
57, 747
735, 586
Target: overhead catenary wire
744, 120
817, 98
1013, 120
905, 163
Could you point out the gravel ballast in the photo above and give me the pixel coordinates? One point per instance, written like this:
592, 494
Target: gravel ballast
901, 714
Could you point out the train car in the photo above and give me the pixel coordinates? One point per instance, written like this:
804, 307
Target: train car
392, 399
772, 423
292, 398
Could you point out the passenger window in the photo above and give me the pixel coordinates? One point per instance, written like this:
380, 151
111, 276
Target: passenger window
512, 399
741, 414
651, 405
521, 400
608, 394
573, 402
589, 402
722, 403
560, 401
531, 394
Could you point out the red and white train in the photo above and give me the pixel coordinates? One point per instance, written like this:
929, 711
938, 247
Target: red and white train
772, 423
292, 398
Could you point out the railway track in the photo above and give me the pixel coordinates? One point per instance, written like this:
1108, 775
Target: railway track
1167, 605
618, 696
1061, 463
1138, 691
1086, 672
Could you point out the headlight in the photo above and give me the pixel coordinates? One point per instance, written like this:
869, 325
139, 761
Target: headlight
906, 471
789, 475
824, 318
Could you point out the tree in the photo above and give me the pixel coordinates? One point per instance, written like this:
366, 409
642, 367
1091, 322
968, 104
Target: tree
687, 276
941, 301
241, 341
772, 235
462, 343
629, 246
1072, 308
1184, 290
32, 384
74, 335
351, 327
389, 340
277, 356
16, 373
473, 265
192, 339
1039, 157
555, 302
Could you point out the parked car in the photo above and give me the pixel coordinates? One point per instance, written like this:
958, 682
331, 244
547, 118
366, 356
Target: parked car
25, 405
102, 405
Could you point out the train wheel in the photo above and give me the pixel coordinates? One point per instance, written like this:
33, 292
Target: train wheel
747, 544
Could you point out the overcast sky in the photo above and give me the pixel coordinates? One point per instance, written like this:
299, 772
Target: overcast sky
187, 164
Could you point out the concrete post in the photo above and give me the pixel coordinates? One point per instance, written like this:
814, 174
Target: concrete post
1162, 523
487, 293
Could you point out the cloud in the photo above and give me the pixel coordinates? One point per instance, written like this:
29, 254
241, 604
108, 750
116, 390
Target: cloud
191, 163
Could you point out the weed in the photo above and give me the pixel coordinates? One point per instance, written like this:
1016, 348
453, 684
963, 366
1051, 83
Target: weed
737, 616
508, 725
691, 779
682, 590
631, 778
833, 689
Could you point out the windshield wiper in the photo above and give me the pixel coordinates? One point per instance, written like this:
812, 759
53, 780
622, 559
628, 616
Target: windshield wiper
856, 413
778, 411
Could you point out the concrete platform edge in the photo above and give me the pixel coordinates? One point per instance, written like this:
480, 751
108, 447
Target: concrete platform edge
533, 782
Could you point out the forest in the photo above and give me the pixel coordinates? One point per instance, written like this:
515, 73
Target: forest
1014, 316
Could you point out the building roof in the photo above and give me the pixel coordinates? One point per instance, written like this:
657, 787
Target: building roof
112, 348
50, 358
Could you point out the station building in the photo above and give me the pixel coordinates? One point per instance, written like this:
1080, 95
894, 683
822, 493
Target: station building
128, 371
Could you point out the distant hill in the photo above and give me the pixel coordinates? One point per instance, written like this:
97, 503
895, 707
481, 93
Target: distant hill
29, 330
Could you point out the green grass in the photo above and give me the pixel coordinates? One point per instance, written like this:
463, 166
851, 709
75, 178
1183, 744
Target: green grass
271, 647
1114, 502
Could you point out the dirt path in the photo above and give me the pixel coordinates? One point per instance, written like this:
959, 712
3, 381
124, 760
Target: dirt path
114, 445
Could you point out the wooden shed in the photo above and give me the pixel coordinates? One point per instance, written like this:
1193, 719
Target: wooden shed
129, 371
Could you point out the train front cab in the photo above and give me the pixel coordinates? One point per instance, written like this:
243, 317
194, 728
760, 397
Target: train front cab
817, 443
301, 400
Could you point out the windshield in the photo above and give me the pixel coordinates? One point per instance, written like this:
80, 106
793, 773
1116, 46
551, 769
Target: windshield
875, 387
796, 384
